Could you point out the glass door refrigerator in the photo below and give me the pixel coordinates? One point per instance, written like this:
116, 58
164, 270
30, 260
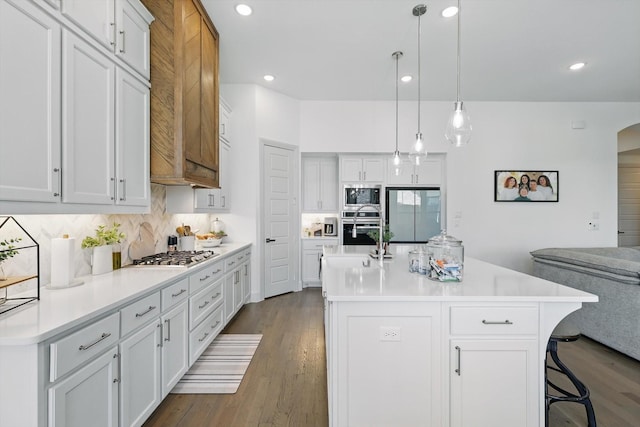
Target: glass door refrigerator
413, 213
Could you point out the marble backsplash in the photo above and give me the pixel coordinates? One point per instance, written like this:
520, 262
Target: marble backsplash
43, 228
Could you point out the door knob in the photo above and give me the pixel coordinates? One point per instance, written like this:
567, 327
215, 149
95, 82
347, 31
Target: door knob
268, 240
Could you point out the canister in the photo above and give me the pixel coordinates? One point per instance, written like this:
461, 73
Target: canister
414, 261
446, 258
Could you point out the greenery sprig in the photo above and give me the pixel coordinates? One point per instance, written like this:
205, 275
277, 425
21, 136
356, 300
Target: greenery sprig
104, 236
7, 248
386, 237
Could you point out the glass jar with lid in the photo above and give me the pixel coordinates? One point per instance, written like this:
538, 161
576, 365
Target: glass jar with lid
446, 258
217, 226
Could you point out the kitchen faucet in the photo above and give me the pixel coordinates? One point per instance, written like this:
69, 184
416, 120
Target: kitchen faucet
381, 233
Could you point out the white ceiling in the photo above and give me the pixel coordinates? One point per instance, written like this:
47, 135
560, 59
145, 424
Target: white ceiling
512, 50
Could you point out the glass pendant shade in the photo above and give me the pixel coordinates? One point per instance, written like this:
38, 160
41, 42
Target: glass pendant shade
459, 126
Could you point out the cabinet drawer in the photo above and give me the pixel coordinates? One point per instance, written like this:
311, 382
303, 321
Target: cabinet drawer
317, 244
494, 320
75, 349
140, 312
200, 279
171, 295
203, 303
231, 263
202, 336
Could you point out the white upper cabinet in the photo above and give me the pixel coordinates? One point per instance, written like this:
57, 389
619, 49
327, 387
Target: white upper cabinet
74, 105
133, 36
320, 184
185, 199
88, 123
132, 127
96, 17
362, 169
121, 26
29, 103
428, 172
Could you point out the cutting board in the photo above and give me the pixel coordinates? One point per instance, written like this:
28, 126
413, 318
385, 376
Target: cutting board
145, 245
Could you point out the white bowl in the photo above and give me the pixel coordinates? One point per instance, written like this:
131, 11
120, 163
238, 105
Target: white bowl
210, 243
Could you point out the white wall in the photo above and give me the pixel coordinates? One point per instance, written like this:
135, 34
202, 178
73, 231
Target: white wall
506, 136
257, 114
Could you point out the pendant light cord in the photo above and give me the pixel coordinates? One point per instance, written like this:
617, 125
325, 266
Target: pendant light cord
419, 73
458, 83
397, 55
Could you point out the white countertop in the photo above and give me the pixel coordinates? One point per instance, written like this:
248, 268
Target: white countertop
482, 282
61, 309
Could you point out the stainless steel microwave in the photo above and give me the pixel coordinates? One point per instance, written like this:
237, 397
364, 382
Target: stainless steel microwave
356, 196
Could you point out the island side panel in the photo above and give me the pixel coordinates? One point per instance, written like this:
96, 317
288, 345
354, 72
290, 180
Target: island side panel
385, 364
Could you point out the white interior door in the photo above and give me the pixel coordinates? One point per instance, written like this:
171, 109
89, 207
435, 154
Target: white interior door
628, 205
279, 201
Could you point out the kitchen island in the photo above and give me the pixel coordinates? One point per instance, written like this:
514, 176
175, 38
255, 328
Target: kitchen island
404, 350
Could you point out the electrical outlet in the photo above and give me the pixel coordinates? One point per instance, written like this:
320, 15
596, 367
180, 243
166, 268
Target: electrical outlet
390, 333
593, 226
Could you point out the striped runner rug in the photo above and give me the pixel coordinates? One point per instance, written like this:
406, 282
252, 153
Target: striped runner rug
221, 366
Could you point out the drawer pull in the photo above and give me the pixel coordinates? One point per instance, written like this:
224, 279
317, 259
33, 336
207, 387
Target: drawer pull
458, 370
203, 305
217, 271
104, 336
149, 310
182, 291
204, 278
217, 323
206, 334
216, 296
506, 322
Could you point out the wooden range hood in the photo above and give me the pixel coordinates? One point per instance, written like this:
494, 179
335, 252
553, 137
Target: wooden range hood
184, 94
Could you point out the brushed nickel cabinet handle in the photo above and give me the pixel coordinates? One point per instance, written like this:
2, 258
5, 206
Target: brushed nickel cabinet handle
104, 336
149, 310
458, 369
489, 322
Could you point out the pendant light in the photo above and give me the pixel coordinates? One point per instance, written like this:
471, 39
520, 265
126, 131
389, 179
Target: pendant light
419, 150
458, 130
396, 154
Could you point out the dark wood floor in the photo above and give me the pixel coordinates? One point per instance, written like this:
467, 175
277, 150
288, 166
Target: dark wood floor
285, 384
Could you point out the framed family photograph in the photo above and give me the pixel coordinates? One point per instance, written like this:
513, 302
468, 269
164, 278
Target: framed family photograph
526, 186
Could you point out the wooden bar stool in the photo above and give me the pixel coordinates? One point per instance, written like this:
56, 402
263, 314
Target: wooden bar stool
566, 332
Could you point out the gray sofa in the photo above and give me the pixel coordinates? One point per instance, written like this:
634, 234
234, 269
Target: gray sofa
611, 273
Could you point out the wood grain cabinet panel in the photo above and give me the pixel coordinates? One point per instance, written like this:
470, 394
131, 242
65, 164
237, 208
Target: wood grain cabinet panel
184, 94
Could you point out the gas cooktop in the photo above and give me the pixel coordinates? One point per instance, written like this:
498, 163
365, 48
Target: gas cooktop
175, 259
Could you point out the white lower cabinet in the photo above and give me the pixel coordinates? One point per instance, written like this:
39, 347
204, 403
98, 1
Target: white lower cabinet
493, 365
493, 383
232, 288
140, 359
311, 257
89, 397
175, 346
434, 364
384, 361
246, 278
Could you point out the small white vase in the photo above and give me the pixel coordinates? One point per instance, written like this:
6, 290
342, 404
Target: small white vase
101, 260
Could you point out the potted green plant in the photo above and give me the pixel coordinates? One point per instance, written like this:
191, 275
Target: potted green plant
7, 250
386, 236
106, 253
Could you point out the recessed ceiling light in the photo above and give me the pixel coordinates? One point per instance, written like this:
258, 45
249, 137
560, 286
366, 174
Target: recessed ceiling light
244, 10
449, 12
406, 79
577, 66
269, 77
